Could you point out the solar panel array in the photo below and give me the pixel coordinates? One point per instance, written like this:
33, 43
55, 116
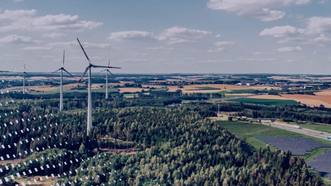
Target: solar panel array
298, 146
322, 163
56, 162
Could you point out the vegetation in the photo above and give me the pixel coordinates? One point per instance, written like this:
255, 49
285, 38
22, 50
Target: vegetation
176, 146
266, 101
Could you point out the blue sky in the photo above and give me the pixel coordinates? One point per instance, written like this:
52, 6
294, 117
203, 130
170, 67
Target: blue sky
149, 36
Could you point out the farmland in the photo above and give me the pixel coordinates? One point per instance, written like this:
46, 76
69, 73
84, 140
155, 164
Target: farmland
265, 101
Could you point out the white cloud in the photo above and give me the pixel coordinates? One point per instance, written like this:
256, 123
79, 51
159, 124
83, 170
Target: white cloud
269, 15
224, 43
282, 31
134, 60
18, 1
218, 35
181, 35
75, 44
159, 48
181, 32
170, 36
26, 20
319, 25
290, 49
132, 35
17, 14
16, 39
261, 9
178, 40
321, 40
37, 48
216, 50
263, 53
322, 2
54, 35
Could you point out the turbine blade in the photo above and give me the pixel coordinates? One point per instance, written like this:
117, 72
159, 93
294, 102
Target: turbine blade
53, 72
88, 59
64, 54
68, 73
99, 66
109, 63
27, 74
110, 73
87, 68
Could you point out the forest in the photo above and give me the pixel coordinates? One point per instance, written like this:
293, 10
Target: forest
138, 141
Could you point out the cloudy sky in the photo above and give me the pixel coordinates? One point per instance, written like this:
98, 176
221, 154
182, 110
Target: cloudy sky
169, 36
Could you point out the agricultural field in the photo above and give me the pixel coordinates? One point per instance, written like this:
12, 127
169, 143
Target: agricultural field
132, 90
318, 127
289, 78
265, 101
320, 98
216, 88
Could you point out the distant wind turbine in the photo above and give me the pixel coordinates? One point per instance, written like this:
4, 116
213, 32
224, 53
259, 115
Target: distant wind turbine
89, 96
61, 80
107, 71
24, 73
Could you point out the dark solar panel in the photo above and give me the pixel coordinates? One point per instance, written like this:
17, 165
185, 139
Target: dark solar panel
298, 146
322, 163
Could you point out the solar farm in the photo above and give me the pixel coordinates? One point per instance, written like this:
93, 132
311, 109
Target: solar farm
298, 146
316, 152
322, 164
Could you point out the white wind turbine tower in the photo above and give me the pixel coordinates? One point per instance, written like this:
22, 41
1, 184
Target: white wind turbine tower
61, 80
89, 94
24, 73
107, 71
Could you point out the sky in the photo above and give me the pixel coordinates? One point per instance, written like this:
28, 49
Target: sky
169, 36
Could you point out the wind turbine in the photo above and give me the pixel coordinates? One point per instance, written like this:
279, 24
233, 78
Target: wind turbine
24, 73
61, 80
107, 71
89, 94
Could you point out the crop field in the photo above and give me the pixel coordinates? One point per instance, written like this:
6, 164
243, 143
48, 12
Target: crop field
132, 90
266, 101
320, 98
206, 88
319, 127
215, 88
289, 78
130, 95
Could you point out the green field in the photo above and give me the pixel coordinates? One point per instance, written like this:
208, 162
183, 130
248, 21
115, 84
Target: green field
207, 88
318, 127
244, 91
265, 101
130, 95
158, 89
